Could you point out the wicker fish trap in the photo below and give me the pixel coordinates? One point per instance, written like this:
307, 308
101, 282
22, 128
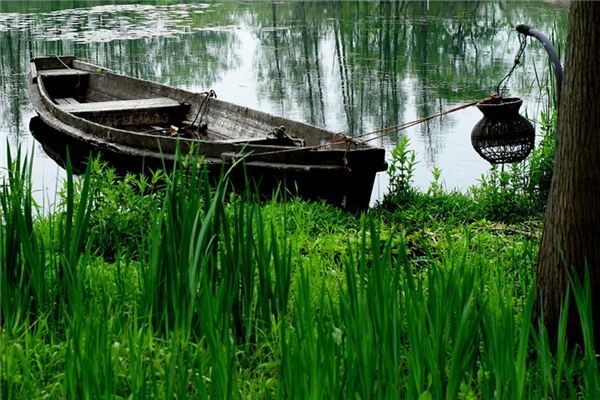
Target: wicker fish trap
502, 135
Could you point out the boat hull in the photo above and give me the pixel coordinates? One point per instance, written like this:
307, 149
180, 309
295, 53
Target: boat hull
341, 174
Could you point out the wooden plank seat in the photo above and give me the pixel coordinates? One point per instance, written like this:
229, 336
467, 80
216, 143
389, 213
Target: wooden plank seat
126, 113
120, 105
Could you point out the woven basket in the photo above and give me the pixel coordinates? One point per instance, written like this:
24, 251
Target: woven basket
502, 135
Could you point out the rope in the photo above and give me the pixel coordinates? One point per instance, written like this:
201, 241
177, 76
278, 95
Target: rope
392, 129
381, 132
202, 109
69, 68
522, 46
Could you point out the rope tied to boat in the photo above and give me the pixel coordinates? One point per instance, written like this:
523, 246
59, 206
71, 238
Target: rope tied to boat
340, 138
206, 103
281, 136
348, 141
397, 128
279, 133
202, 110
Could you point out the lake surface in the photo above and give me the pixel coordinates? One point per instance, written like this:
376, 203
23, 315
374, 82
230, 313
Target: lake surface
352, 67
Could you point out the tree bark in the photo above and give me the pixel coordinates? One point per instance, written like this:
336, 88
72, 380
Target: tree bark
571, 234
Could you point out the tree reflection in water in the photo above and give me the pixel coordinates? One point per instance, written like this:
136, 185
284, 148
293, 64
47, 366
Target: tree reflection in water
348, 66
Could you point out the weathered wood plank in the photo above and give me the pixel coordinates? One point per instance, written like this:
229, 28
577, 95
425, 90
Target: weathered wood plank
46, 63
122, 105
171, 115
63, 101
62, 71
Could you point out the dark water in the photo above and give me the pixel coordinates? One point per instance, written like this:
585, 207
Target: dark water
348, 66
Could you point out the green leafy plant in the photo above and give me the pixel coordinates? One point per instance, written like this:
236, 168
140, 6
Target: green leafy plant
436, 188
541, 161
501, 195
401, 172
124, 209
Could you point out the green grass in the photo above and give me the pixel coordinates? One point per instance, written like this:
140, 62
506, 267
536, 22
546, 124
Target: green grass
173, 288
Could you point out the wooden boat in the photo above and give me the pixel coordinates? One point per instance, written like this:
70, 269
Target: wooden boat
138, 123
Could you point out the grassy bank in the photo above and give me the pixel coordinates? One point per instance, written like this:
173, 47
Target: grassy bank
170, 287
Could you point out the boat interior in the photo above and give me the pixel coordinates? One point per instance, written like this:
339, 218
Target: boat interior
135, 105
88, 96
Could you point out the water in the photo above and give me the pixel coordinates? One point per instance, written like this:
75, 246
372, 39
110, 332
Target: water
351, 67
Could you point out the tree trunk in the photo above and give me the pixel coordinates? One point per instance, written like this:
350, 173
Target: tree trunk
571, 234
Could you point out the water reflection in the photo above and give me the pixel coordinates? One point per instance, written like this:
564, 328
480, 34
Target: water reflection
56, 146
347, 66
